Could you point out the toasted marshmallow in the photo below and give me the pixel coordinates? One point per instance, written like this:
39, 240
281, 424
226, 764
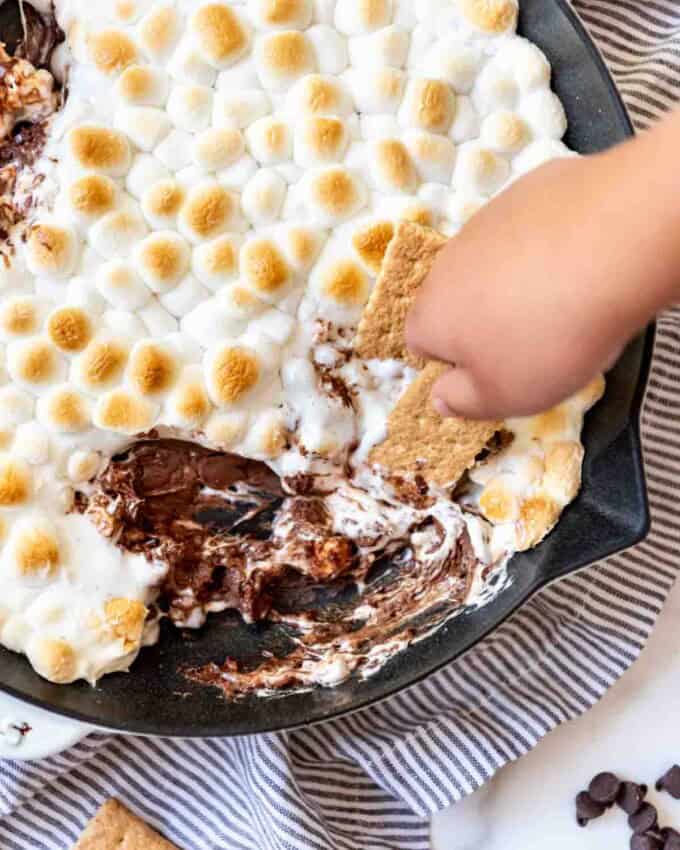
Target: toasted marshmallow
480, 170
146, 126
281, 14
239, 109
454, 61
215, 263
263, 197
101, 364
162, 260
267, 436
145, 170
220, 33
35, 363
491, 17
51, 250
142, 85
99, 149
333, 195
128, 11
505, 132
64, 409
54, 660
189, 107
330, 48
428, 104
125, 621
316, 94
20, 315
301, 246
376, 90
355, 17
188, 405
342, 283
90, 197
391, 166
217, 148
207, 211
283, 57
320, 140
152, 368
124, 412
159, 31
433, 155
115, 234
269, 140
264, 268
33, 548
16, 482
111, 51
69, 329
495, 88
121, 286
544, 113
232, 373
370, 241
82, 466
184, 297
225, 430
161, 203
388, 47
187, 65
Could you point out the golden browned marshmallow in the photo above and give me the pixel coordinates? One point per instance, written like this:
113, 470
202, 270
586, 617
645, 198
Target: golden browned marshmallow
152, 368
591, 393
189, 404
293, 14
263, 266
490, 16
562, 478
207, 211
218, 147
141, 85
69, 329
19, 316
91, 196
537, 515
316, 94
417, 213
232, 373
64, 409
34, 361
429, 104
224, 430
216, 263
161, 202
101, 364
498, 503
505, 131
302, 246
551, 425
284, 57
159, 30
16, 483
83, 466
162, 259
51, 250
220, 34
34, 548
336, 193
100, 149
111, 51
125, 619
346, 283
393, 167
124, 412
54, 660
269, 140
370, 241
320, 140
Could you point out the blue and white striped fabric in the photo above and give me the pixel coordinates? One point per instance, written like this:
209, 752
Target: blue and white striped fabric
372, 779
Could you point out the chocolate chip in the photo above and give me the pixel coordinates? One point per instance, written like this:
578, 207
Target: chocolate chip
604, 788
587, 809
671, 838
648, 841
631, 796
644, 819
670, 782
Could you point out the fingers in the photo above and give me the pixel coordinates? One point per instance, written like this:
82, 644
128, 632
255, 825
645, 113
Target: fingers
457, 393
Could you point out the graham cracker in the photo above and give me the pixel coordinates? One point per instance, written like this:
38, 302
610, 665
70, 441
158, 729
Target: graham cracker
114, 827
408, 259
421, 441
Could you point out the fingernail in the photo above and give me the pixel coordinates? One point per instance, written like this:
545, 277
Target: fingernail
442, 407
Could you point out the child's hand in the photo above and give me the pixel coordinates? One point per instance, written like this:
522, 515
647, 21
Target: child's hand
543, 286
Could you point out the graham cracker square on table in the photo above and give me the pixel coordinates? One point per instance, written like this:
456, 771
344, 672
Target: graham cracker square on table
408, 259
115, 827
421, 441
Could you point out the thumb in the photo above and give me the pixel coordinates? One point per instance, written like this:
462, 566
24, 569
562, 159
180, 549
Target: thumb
457, 393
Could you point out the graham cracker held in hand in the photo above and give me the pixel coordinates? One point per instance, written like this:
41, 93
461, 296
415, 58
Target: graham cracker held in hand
421, 441
409, 258
115, 828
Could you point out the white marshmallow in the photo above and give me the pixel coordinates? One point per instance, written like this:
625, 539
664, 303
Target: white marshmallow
270, 140
433, 155
81, 293
212, 322
142, 85
356, 17
188, 66
454, 61
175, 150
115, 234
16, 406
124, 323
479, 170
332, 56
121, 286
387, 47
187, 295
31, 443
376, 90
505, 132
466, 124
146, 126
461, 206
237, 175
274, 324
144, 172
494, 88
242, 76
374, 127
189, 107
263, 197
544, 113
239, 109
526, 61
157, 319
538, 152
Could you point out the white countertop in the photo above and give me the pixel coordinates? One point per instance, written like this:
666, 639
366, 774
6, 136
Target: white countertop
633, 731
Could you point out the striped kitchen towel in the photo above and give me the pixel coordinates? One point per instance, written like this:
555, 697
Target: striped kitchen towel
372, 779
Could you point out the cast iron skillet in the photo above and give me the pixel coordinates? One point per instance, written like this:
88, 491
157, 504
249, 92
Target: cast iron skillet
610, 513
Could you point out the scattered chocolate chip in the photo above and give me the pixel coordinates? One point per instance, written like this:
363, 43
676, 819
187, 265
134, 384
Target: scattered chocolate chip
604, 788
644, 819
648, 841
671, 838
631, 796
670, 782
587, 809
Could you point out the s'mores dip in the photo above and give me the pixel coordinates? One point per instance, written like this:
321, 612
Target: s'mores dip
214, 218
